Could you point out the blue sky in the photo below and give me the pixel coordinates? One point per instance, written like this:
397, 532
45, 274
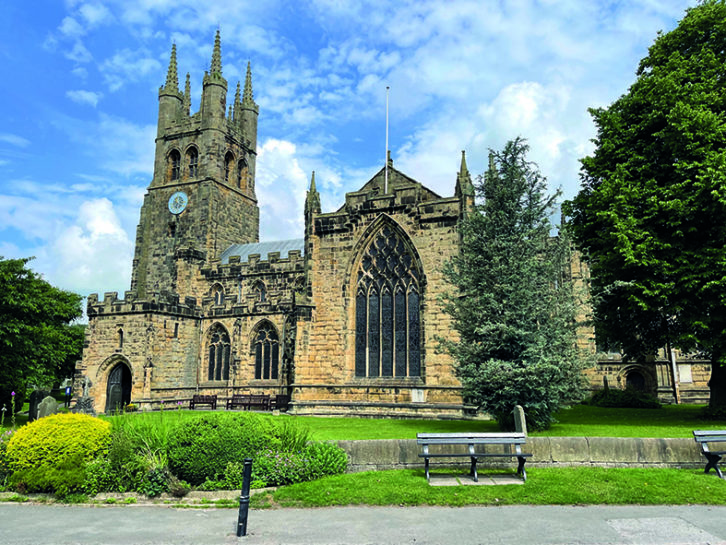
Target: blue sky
81, 77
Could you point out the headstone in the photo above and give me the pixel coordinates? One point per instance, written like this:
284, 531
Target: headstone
84, 405
47, 407
520, 422
35, 398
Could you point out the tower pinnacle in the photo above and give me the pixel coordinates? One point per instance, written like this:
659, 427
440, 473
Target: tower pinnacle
172, 80
216, 68
463, 179
312, 199
187, 104
247, 98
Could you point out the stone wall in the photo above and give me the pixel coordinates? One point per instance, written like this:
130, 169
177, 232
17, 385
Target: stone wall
546, 451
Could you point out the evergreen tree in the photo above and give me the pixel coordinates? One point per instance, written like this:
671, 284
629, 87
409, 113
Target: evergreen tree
514, 307
651, 215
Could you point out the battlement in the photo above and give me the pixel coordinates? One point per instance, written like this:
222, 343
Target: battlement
233, 266
130, 304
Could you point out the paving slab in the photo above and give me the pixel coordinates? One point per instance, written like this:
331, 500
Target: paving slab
464, 479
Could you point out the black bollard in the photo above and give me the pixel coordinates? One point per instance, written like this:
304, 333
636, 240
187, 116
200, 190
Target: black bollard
244, 499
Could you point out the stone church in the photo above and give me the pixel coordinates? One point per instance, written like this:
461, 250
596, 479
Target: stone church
344, 320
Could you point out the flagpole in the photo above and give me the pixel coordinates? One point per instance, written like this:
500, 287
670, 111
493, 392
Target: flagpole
385, 186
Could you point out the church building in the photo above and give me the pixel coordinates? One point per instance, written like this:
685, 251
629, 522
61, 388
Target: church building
344, 321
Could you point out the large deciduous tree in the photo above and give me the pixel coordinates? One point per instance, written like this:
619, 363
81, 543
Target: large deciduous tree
38, 344
651, 214
513, 306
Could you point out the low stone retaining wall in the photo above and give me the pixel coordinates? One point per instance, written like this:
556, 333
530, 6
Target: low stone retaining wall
546, 451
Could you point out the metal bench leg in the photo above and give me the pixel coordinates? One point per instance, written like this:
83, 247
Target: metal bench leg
473, 472
520, 468
713, 460
426, 465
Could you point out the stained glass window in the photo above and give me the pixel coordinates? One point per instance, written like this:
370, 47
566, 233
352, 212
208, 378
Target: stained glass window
387, 315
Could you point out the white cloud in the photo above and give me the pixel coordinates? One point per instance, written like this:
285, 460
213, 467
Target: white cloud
95, 14
79, 53
71, 28
93, 253
84, 97
281, 188
14, 140
128, 65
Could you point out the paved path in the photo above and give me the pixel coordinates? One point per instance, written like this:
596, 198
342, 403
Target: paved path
521, 525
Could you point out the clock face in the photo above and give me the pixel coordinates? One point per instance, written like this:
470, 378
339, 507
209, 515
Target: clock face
178, 202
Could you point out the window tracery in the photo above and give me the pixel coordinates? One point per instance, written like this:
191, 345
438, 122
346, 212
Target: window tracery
266, 347
387, 315
219, 351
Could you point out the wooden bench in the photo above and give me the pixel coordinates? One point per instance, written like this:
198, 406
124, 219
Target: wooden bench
703, 438
513, 441
198, 399
249, 401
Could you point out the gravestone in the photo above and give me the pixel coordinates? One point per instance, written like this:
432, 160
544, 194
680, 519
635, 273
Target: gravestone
35, 398
520, 422
47, 407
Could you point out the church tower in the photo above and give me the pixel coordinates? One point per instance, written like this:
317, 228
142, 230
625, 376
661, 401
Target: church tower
202, 197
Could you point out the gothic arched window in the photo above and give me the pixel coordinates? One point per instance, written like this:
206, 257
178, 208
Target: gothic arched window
218, 294
228, 166
193, 162
174, 165
219, 349
242, 175
388, 309
260, 292
266, 346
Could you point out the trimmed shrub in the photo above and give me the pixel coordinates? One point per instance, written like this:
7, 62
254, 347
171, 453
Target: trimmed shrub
50, 454
4, 464
199, 449
630, 398
275, 468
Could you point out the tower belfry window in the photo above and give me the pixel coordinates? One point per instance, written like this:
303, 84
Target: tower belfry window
175, 165
193, 157
242, 174
228, 167
388, 309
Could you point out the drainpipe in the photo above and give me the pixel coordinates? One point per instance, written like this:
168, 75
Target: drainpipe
674, 373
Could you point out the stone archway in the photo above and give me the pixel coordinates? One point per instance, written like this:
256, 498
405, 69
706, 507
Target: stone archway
118, 389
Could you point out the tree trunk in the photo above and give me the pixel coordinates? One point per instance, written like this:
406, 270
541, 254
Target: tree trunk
717, 383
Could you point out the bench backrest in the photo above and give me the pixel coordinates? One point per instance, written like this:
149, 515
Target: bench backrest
471, 438
199, 398
709, 436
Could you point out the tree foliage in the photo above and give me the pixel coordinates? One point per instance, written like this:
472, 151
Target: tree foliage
651, 214
38, 345
514, 307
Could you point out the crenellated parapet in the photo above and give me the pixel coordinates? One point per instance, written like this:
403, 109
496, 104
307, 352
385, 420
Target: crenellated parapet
130, 304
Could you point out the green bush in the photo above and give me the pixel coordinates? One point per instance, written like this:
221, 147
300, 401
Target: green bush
275, 468
4, 464
630, 398
199, 449
50, 454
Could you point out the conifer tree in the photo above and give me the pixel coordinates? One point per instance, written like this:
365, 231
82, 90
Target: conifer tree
514, 306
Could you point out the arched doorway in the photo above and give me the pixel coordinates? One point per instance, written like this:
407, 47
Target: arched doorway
118, 391
635, 380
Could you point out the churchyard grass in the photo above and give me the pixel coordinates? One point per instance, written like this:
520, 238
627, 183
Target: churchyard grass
544, 486
577, 421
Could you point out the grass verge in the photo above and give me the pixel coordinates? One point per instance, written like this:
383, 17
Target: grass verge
544, 486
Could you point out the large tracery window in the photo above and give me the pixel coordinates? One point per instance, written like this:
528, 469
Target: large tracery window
219, 348
266, 346
387, 309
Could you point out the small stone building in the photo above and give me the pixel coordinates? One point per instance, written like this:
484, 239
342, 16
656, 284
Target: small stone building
344, 320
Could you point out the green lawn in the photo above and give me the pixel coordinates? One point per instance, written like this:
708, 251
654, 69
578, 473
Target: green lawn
578, 421
544, 486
